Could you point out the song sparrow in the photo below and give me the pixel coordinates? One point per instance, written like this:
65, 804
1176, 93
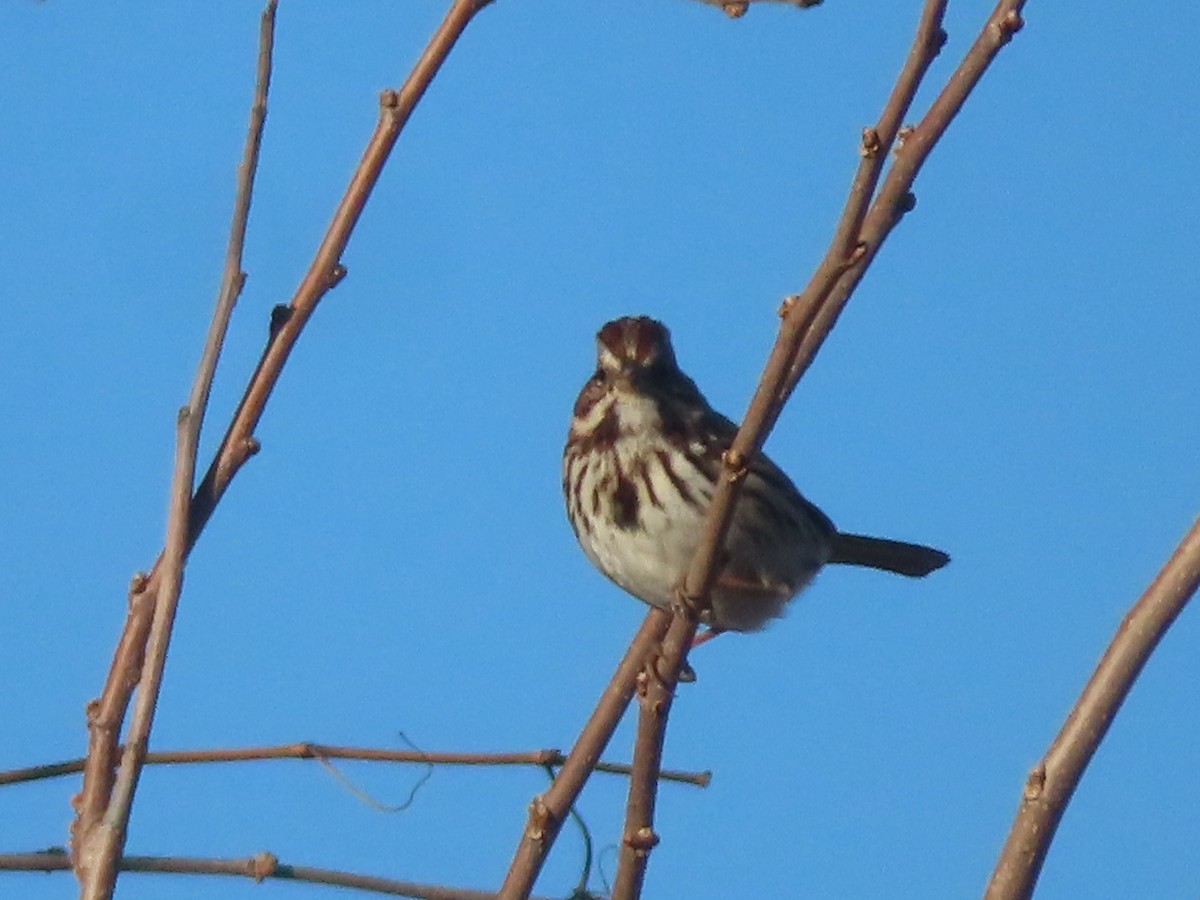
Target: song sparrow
640, 467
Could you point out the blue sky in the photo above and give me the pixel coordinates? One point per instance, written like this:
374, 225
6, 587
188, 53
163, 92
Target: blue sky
1015, 381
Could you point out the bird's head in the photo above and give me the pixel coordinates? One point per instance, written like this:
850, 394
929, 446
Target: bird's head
632, 348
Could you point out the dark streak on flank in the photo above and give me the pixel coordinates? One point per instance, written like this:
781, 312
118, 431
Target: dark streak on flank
625, 503
579, 468
642, 471
664, 459
575, 513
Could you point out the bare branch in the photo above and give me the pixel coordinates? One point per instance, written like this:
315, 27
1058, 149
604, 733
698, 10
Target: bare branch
259, 867
309, 750
808, 319
657, 690
805, 318
873, 150
1052, 782
100, 839
895, 197
102, 806
548, 811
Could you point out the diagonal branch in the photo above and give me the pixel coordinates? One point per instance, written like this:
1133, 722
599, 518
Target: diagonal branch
102, 809
657, 690
808, 318
99, 841
548, 811
1052, 782
894, 197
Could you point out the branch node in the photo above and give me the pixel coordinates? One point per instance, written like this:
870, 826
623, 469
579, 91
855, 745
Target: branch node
336, 274
250, 446
263, 865
868, 147
1008, 26
736, 8
654, 674
539, 819
786, 306
389, 98
859, 251
642, 841
937, 41
1035, 783
91, 712
905, 203
735, 465
903, 135
138, 583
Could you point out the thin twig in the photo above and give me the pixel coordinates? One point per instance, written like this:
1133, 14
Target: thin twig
309, 750
799, 314
107, 712
259, 867
846, 249
658, 682
548, 811
1052, 782
808, 319
99, 844
802, 315
894, 197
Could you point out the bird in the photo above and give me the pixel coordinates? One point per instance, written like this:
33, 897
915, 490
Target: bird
640, 467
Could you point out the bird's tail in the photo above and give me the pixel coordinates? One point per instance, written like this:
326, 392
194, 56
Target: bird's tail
914, 560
